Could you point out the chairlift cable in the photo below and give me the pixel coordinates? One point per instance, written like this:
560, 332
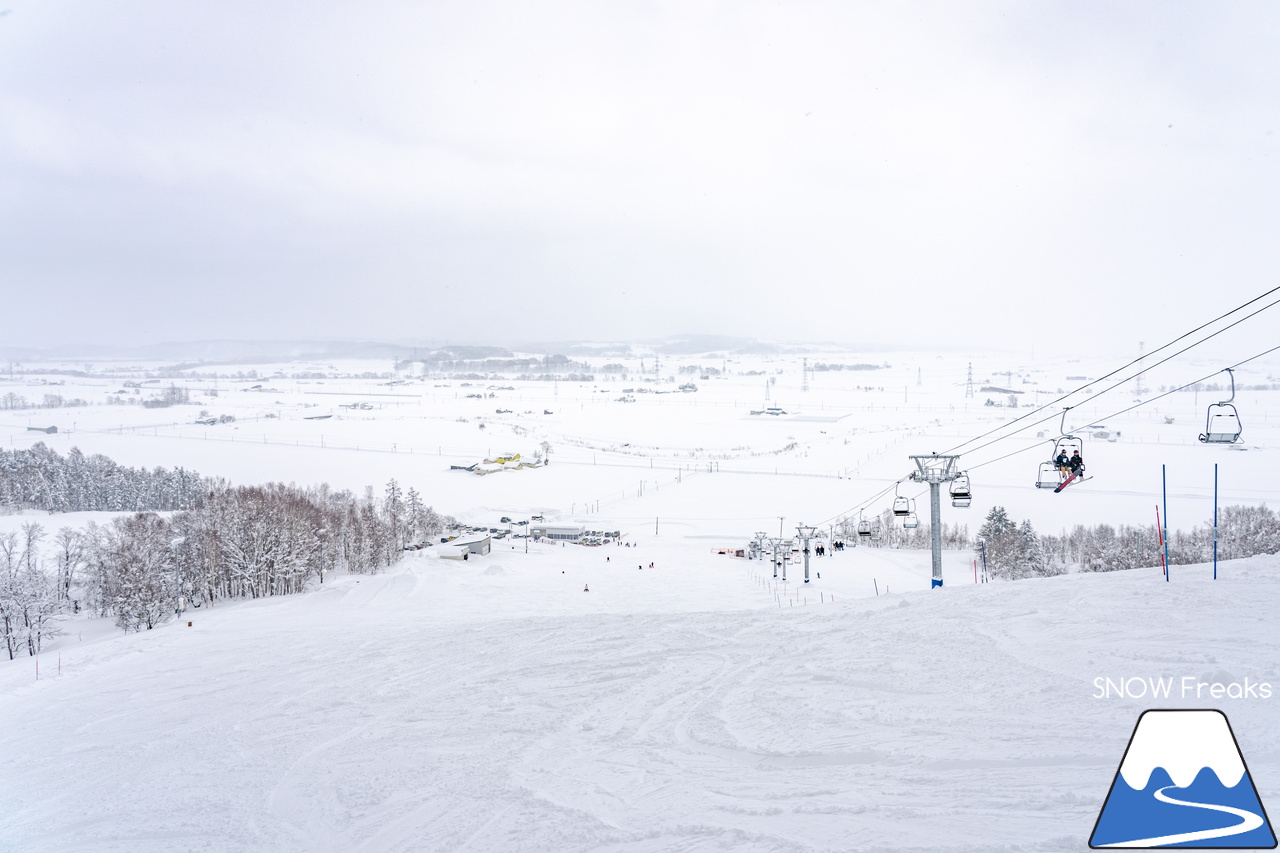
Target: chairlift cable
1133, 362
1131, 408
1109, 388
866, 503
872, 499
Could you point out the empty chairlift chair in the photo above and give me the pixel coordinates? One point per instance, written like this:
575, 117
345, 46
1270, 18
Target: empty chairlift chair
909, 520
1049, 476
960, 494
864, 529
901, 507
1222, 423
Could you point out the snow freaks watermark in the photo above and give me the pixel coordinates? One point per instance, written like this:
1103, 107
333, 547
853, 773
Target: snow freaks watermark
1183, 782
1186, 687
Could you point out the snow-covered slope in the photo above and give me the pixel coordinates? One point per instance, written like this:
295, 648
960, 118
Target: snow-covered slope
495, 705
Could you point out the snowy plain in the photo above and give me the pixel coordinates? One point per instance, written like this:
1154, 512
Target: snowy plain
696, 705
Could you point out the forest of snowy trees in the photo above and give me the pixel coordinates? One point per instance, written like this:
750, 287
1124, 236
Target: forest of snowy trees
1014, 551
224, 542
1017, 551
41, 478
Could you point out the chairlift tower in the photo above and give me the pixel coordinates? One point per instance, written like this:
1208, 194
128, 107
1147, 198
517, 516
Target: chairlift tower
805, 532
804, 374
935, 470
968, 388
780, 555
757, 545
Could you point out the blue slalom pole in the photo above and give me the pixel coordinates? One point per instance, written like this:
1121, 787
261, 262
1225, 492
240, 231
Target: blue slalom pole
1164, 484
1215, 521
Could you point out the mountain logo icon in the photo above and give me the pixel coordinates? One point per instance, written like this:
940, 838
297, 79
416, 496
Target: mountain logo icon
1183, 783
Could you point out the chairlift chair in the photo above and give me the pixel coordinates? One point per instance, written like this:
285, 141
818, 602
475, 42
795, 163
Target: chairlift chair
1049, 476
1222, 422
875, 531
1068, 444
911, 521
864, 528
961, 496
901, 506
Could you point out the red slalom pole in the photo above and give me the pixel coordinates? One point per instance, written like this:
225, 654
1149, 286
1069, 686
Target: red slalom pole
1164, 564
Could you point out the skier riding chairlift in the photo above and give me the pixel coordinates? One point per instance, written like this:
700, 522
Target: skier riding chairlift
1056, 475
1064, 464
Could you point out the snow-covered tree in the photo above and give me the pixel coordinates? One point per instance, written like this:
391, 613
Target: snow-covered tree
28, 596
1032, 559
1003, 545
138, 560
10, 596
396, 515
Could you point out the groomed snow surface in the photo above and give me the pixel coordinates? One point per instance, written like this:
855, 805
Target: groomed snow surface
495, 705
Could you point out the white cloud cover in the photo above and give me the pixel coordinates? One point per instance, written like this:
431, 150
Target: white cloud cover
890, 172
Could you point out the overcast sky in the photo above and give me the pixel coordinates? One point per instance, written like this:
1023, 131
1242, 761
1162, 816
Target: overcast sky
893, 173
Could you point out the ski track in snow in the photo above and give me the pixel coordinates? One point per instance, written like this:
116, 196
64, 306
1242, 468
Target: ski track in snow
356, 718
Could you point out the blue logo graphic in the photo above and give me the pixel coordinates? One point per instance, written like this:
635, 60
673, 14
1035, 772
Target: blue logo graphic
1183, 783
